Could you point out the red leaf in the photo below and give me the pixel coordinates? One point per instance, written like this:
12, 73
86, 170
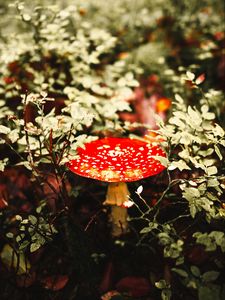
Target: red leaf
26, 280
3, 203
9, 80
197, 255
109, 295
107, 279
163, 104
55, 283
219, 35
3, 196
130, 117
200, 79
134, 286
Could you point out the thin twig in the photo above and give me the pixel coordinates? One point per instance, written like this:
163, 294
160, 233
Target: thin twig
92, 220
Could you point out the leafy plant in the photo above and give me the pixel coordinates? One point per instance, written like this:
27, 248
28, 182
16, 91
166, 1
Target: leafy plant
81, 70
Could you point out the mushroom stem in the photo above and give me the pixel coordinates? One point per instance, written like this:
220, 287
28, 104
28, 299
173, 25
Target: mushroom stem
117, 197
118, 219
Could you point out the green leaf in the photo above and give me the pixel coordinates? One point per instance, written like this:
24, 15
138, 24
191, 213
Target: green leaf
179, 98
181, 272
32, 219
211, 240
193, 210
13, 135
145, 230
190, 75
219, 131
180, 260
139, 189
192, 284
34, 247
166, 294
23, 246
163, 160
191, 192
195, 271
151, 226
18, 218
217, 150
15, 260
3, 164
161, 284
222, 142
212, 182
209, 293
181, 165
209, 116
176, 121
218, 236
195, 117
9, 235
210, 276
4, 129
212, 170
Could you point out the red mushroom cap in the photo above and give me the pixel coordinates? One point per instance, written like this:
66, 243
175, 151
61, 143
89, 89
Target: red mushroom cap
117, 160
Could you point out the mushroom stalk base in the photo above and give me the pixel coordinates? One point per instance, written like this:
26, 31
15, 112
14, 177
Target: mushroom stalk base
117, 196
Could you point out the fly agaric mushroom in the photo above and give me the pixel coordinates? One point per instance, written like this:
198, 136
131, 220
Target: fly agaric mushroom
117, 161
